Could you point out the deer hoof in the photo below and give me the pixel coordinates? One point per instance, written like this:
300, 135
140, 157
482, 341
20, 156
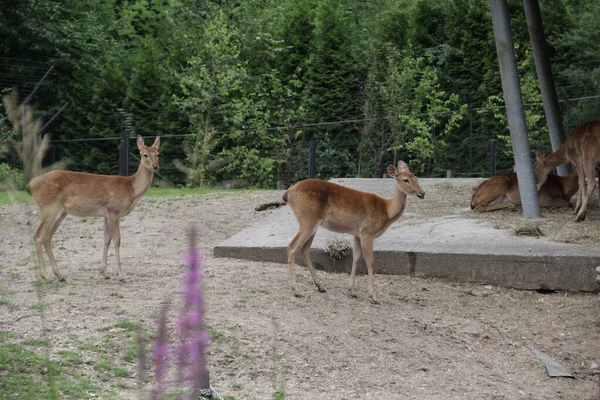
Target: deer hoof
62, 279
321, 289
122, 280
298, 295
376, 302
107, 277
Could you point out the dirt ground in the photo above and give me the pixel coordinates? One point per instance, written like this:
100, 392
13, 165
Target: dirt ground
428, 339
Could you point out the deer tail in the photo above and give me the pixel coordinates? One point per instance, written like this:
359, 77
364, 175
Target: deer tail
284, 197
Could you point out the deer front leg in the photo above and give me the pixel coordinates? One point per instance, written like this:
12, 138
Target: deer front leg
107, 239
356, 253
367, 249
115, 233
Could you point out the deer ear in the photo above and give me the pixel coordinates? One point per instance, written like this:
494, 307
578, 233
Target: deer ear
402, 167
391, 170
140, 143
156, 144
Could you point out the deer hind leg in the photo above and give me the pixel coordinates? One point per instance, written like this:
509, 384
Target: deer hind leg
48, 246
581, 192
42, 238
590, 178
367, 249
306, 254
356, 253
39, 248
107, 239
494, 207
558, 203
115, 233
305, 232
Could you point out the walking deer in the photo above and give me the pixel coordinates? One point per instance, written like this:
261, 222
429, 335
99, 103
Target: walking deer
59, 193
502, 191
582, 148
340, 209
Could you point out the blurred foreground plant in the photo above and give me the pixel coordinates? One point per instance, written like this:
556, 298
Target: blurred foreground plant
192, 337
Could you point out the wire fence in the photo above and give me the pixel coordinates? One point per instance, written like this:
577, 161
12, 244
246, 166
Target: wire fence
475, 148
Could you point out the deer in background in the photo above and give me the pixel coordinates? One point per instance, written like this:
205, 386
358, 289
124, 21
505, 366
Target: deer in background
582, 148
59, 193
502, 191
340, 209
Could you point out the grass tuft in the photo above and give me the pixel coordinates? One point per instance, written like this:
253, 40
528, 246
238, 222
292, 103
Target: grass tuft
528, 230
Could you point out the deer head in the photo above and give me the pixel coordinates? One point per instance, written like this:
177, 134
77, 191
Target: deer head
406, 182
149, 154
541, 169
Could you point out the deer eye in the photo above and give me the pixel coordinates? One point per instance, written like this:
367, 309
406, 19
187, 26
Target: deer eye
406, 180
146, 155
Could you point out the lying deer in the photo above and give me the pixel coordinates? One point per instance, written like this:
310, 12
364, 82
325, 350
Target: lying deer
340, 209
582, 148
502, 191
59, 193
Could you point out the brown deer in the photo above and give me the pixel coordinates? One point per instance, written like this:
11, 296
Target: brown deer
59, 193
582, 148
502, 191
340, 209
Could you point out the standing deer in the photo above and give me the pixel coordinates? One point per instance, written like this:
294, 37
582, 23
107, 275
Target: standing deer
59, 193
340, 209
582, 148
502, 191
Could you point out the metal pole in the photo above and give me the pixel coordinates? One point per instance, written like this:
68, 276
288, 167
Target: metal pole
492, 157
311, 158
38, 85
470, 141
53, 118
545, 78
124, 154
514, 107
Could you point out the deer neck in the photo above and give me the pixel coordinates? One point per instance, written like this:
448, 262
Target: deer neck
141, 181
559, 157
396, 205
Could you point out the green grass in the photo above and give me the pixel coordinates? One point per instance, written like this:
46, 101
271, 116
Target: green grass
158, 192
21, 196
27, 373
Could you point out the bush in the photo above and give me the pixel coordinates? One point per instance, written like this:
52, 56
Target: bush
10, 178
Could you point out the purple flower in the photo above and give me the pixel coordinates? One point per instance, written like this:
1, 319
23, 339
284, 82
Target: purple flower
161, 353
193, 338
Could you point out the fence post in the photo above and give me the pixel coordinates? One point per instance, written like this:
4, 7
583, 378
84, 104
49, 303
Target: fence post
311, 158
124, 154
493, 157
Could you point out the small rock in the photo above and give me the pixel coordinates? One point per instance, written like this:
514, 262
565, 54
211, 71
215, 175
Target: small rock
594, 366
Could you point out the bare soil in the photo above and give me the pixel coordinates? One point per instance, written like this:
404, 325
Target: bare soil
428, 339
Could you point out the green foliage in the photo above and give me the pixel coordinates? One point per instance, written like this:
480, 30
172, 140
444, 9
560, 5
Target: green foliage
230, 85
10, 178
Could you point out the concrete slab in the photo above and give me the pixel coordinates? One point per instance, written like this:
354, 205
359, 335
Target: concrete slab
452, 247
